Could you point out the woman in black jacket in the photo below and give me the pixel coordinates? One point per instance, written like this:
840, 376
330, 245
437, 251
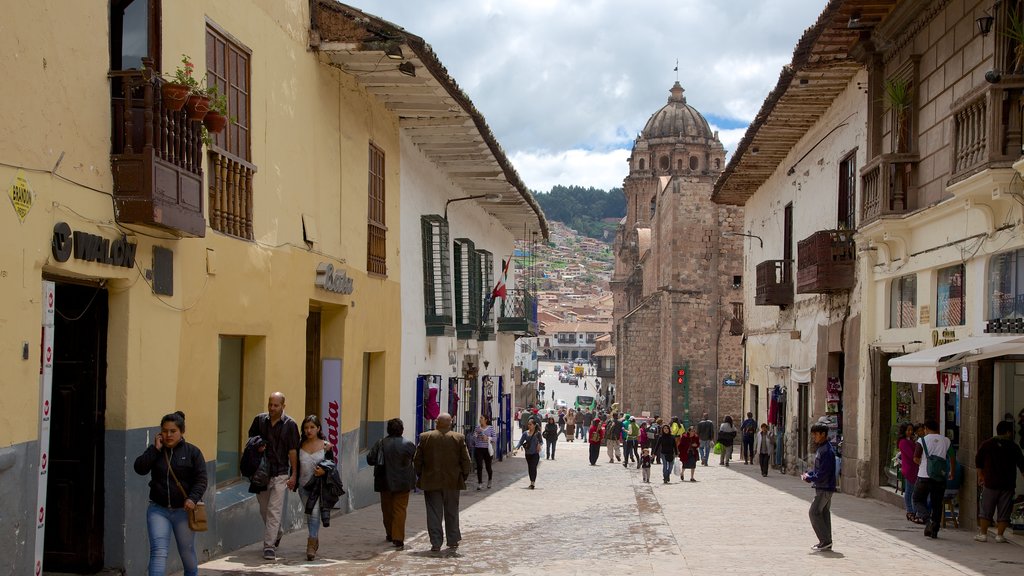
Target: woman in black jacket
665, 445
171, 461
394, 477
551, 436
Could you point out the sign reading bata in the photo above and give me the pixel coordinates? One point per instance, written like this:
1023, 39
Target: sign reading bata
331, 280
90, 247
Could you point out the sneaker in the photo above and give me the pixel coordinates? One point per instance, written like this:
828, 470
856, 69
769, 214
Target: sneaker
488, 484
1000, 538
693, 479
269, 554
478, 487
928, 530
435, 549
821, 547
531, 486
398, 544
982, 537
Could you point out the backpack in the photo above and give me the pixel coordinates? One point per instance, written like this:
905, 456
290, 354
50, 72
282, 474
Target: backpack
595, 435
643, 435
938, 466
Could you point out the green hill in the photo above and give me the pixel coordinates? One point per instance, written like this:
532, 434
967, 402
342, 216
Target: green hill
584, 209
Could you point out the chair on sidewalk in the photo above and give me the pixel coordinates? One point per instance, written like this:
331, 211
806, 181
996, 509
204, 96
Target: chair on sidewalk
951, 498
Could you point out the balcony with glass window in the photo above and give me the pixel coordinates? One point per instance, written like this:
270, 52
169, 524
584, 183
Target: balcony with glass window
825, 262
774, 283
518, 313
156, 158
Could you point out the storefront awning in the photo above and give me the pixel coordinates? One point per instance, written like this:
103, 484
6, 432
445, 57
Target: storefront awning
920, 367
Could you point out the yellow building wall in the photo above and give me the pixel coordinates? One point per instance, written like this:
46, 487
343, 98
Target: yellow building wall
311, 127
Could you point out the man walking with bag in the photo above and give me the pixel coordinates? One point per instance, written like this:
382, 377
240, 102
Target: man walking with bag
706, 433
442, 464
933, 457
281, 450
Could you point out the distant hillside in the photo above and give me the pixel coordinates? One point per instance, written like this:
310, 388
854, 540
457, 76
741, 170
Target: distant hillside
583, 209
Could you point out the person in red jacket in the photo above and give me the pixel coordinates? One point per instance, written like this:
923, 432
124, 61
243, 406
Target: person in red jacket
595, 436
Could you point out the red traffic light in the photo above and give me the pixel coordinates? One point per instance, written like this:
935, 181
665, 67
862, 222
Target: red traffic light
681, 372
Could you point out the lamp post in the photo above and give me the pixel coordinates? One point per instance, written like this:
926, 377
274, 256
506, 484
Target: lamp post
729, 234
488, 197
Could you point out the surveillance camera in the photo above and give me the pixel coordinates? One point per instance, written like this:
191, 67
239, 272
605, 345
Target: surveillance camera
993, 76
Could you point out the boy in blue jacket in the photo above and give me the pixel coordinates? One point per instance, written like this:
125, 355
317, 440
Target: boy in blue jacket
823, 479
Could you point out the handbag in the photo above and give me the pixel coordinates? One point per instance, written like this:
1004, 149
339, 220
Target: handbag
677, 468
196, 516
490, 448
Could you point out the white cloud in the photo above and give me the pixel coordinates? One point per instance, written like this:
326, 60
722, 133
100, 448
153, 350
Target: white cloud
556, 79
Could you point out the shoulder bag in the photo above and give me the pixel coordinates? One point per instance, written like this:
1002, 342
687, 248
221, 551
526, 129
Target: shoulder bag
196, 516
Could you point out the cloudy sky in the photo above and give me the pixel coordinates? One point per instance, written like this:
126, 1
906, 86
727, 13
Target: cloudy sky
566, 85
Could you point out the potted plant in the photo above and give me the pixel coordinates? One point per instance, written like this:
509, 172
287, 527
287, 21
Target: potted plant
217, 118
197, 105
899, 97
176, 89
1015, 31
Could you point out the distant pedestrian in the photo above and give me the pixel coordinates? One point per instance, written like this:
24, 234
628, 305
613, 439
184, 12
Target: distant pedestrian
630, 432
442, 464
905, 445
726, 437
748, 428
688, 447
645, 464
823, 479
532, 442
764, 448
595, 437
588, 419
551, 433
677, 427
935, 466
484, 441
706, 433
612, 438
998, 459
666, 446
394, 476
570, 425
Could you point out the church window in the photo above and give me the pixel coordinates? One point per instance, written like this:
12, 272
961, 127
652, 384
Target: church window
654, 205
641, 164
693, 162
679, 164
718, 164
663, 162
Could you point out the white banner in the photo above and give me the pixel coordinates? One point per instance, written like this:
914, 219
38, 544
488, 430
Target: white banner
45, 402
330, 400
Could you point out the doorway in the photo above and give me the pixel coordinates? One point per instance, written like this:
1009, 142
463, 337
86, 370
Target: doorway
74, 490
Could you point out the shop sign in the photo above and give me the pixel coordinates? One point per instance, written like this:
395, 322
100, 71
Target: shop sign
943, 337
91, 248
332, 280
21, 195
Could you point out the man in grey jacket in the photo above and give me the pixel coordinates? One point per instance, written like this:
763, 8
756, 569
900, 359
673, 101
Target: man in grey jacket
706, 433
394, 477
442, 464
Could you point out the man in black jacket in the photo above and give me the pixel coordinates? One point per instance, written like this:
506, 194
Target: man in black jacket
706, 433
281, 449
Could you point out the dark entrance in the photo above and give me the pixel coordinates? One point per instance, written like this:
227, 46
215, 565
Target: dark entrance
74, 492
314, 393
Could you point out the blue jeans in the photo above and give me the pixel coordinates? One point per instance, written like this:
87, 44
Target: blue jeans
704, 449
908, 495
312, 520
161, 522
666, 466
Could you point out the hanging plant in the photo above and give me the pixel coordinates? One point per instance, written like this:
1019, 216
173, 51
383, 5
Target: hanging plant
217, 118
175, 90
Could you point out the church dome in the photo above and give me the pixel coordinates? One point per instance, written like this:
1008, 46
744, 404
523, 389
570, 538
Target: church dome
676, 119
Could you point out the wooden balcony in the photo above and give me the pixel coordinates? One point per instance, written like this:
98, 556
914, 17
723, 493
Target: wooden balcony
156, 159
887, 186
987, 128
825, 262
518, 313
774, 283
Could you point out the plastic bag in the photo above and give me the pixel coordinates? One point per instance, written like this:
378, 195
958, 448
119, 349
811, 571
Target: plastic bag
718, 448
677, 468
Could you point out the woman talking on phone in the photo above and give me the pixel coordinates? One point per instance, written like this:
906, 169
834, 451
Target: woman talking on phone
177, 482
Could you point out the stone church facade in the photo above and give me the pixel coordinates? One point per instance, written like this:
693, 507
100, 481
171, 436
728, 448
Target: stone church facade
678, 311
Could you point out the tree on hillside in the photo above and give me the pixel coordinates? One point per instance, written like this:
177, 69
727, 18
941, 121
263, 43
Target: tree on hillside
583, 209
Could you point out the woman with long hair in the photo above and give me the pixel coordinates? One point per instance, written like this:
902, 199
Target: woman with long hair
906, 445
595, 437
177, 483
726, 436
313, 450
551, 436
484, 439
665, 445
688, 448
394, 476
532, 441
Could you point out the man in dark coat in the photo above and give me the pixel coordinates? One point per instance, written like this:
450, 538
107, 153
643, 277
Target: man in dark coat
442, 464
998, 460
394, 477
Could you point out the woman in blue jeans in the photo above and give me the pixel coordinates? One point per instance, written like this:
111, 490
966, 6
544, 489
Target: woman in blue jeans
177, 482
665, 445
533, 442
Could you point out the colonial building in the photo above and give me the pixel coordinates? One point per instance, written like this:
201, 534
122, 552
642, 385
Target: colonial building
678, 303
929, 93
175, 269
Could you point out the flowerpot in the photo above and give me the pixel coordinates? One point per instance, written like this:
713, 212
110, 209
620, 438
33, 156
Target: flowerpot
215, 121
174, 95
197, 107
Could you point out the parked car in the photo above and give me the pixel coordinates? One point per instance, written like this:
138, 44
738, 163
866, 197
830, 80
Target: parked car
561, 404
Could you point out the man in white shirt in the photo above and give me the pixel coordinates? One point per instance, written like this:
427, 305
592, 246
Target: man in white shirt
931, 477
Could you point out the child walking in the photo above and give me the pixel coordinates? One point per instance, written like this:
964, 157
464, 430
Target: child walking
645, 464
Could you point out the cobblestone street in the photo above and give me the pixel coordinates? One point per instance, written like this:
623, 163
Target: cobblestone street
732, 519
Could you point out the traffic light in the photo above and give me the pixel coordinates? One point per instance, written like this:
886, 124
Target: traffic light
680, 376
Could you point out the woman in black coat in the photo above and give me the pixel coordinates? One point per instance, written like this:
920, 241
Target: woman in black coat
394, 477
665, 445
551, 436
177, 483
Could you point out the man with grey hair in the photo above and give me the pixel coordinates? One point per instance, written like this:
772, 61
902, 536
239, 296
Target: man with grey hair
442, 464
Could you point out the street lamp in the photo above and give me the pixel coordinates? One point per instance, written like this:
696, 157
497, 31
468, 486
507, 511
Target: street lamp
488, 197
729, 234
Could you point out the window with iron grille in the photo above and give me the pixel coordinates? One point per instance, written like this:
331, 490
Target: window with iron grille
903, 302
847, 192
376, 242
486, 263
437, 284
467, 286
949, 296
1006, 285
231, 170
